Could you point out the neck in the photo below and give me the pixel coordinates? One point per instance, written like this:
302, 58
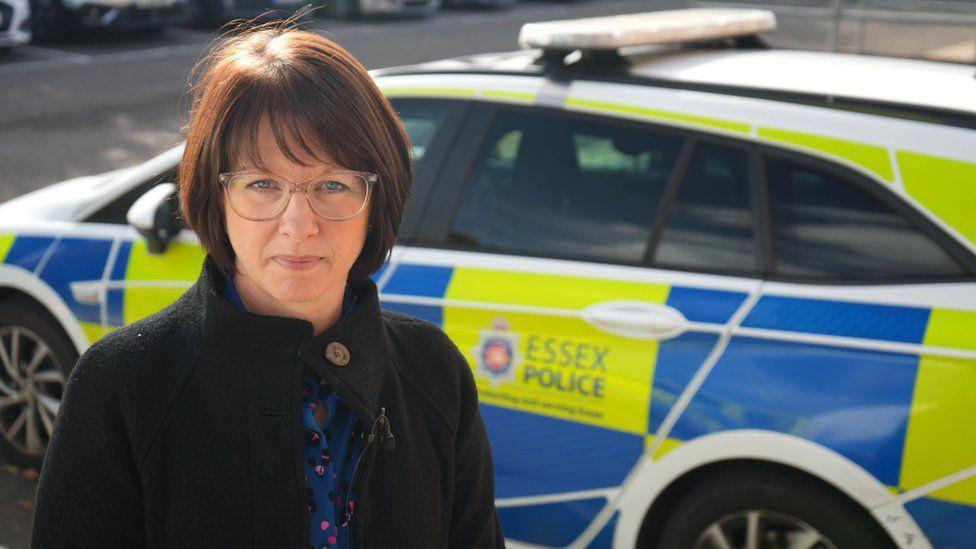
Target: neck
323, 312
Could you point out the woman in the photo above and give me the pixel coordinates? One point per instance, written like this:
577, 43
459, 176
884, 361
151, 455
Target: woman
275, 403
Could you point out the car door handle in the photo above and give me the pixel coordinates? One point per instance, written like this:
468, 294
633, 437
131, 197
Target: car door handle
87, 292
636, 319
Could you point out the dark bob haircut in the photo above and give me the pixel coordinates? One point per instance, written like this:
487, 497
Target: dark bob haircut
318, 99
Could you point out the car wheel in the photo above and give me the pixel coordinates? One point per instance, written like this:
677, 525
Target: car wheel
49, 20
36, 357
752, 507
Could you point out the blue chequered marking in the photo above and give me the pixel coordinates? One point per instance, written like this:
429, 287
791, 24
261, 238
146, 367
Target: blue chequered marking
27, 251
77, 259
701, 305
379, 272
115, 304
853, 401
947, 525
677, 361
419, 280
536, 455
432, 313
604, 540
840, 318
550, 524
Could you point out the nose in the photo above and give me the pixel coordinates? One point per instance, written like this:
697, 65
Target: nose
299, 221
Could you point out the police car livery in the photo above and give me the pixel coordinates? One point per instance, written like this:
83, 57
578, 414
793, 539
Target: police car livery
713, 294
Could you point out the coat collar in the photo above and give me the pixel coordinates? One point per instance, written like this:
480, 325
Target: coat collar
218, 330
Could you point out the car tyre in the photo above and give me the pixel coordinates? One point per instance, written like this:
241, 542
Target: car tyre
774, 507
36, 357
49, 20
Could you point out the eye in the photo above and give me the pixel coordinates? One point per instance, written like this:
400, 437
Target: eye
332, 186
263, 185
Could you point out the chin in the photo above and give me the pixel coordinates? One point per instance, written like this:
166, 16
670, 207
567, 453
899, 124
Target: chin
298, 289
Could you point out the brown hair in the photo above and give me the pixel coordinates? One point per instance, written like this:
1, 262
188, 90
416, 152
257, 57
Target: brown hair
314, 92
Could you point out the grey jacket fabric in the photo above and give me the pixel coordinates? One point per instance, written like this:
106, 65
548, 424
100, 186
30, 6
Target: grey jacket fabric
184, 429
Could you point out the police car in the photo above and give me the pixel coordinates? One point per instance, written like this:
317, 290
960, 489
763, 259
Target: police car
714, 294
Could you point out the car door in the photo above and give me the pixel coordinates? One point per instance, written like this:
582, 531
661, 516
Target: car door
862, 342
533, 258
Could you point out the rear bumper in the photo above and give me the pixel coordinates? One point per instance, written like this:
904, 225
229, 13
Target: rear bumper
128, 17
14, 23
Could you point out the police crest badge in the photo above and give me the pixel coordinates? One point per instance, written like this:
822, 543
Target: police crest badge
497, 352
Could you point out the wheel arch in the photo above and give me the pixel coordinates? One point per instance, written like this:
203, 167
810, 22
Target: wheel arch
658, 483
16, 281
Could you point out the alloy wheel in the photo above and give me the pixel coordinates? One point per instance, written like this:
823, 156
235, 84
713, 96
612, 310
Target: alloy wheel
31, 388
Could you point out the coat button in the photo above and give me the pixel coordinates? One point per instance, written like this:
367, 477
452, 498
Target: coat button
337, 353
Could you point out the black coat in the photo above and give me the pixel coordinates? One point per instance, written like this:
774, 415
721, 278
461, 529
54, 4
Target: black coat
184, 429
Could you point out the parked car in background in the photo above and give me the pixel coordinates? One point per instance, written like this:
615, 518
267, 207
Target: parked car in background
213, 13
713, 294
354, 9
481, 3
14, 23
55, 19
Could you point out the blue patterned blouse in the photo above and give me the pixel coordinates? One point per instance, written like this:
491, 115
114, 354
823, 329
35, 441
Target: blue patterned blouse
331, 446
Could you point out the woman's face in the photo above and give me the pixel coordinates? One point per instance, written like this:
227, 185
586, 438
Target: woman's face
299, 256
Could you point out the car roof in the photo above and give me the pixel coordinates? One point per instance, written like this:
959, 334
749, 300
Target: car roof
906, 81
925, 84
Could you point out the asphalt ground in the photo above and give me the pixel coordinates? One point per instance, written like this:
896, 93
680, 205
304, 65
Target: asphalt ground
105, 101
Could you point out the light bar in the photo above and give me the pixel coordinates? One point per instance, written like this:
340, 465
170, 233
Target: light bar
642, 29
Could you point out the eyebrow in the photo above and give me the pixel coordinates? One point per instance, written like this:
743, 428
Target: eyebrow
327, 169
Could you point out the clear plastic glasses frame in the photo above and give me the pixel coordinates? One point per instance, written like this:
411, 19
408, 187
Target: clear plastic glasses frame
225, 179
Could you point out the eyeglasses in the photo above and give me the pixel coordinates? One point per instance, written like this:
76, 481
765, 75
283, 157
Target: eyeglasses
259, 196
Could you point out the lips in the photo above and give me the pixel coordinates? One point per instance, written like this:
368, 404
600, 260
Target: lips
297, 262
298, 258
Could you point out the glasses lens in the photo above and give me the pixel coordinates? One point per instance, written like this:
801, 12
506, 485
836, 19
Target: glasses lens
338, 195
255, 195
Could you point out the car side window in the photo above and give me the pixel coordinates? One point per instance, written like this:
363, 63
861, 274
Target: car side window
421, 120
573, 187
430, 125
116, 210
710, 224
825, 226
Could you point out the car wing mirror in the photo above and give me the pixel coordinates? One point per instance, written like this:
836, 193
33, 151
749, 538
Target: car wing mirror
154, 215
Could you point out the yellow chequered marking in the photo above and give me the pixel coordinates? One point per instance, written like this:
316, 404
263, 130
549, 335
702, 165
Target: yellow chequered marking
458, 93
6, 241
941, 435
510, 95
666, 447
398, 91
560, 366
94, 331
575, 103
181, 263
547, 290
946, 187
871, 157
951, 328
